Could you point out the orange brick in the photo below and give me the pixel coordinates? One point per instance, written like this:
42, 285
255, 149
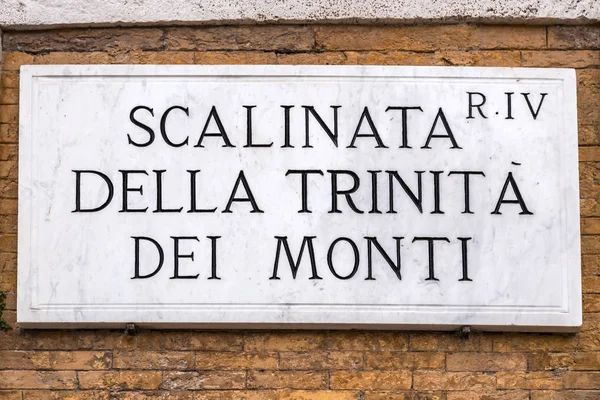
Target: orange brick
8, 243
446, 342
153, 360
66, 395
197, 395
561, 59
8, 280
489, 395
319, 395
12, 61
590, 284
8, 261
8, 152
486, 362
287, 379
453, 381
327, 58
317, 360
590, 226
511, 37
589, 153
234, 58
9, 96
392, 58
9, 114
573, 37
371, 380
422, 395
9, 79
373, 341
591, 303
590, 265
201, 38
121, 380
60, 57
203, 341
8, 223
10, 395
405, 361
480, 58
235, 360
529, 380
9, 133
155, 57
60, 360
413, 38
565, 395
37, 379
200, 380
284, 341
518, 342
582, 380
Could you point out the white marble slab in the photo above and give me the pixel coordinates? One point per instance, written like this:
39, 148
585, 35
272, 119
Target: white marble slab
522, 264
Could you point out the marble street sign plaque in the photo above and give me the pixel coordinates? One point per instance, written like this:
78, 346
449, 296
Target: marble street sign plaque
298, 197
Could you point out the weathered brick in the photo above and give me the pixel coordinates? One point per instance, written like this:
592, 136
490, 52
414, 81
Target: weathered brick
9, 133
203, 341
9, 114
12, 61
287, 379
8, 279
489, 395
8, 223
235, 360
153, 360
590, 265
14, 379
200, 380
589, 337
453, 381
66, 395
84, 40
120, 380
373, 341
8, 261
9, 79
273, 37
59, 360
319, 395
561, 59
480, 58
404, 395
510, 37
327, 58
573, 37
284, 341
519, 342
60, 57
405, 361
446, 342
197, 395
412, 38
392, 58
582, 380
590, 153
234, 58
591, 303
155, 57
9, 152
580, 361
530, 380
486, 362
370, 380
590, 226
565, 395
590, 284
8, 243
11, 395
317, 360
9, 96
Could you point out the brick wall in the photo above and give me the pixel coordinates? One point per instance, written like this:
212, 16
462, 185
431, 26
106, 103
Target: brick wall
313, 364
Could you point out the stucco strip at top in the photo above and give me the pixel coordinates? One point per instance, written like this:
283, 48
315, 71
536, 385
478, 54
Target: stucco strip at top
19, 14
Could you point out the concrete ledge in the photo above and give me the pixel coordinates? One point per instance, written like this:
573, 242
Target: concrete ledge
35, 14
